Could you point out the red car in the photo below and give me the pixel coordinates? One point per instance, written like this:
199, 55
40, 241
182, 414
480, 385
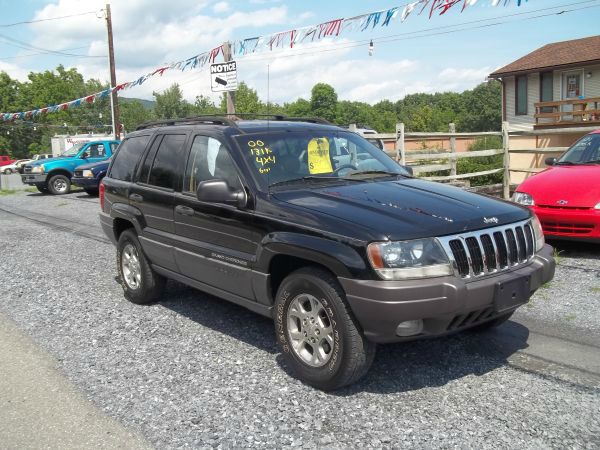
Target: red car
566, 196
5, 160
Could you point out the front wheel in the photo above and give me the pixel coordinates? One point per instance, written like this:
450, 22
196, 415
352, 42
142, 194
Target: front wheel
7, 171
93, 192
43, 189
140, 283
319, 337
59, 185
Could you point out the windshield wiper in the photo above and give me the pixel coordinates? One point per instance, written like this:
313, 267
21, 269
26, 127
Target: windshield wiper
372, 172
565, 163
301, 179
593, 161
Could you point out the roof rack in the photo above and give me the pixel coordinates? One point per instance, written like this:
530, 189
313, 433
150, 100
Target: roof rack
208, 119
219, 119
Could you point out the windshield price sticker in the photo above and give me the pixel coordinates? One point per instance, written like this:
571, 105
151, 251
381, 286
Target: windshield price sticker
262, 155
319, 159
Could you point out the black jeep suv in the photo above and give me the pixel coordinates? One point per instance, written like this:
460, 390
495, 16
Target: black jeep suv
311, 225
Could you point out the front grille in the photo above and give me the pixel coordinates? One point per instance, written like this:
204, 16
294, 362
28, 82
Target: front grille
490, 250
471, 318
79, 173
567, 228
27, 169
572, 208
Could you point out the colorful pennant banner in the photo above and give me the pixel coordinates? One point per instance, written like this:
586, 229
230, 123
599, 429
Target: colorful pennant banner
333, 28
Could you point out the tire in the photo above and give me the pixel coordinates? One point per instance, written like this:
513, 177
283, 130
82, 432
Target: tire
91, 191
7, 171
59, 185
140, 283
493, 323
41, 188
345, 354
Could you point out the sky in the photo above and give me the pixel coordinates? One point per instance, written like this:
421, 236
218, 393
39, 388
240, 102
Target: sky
149, 34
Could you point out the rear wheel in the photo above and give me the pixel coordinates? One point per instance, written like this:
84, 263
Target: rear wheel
140, 283
59, 185
319, 337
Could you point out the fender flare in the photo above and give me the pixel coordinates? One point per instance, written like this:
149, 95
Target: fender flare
129, 213
342, 259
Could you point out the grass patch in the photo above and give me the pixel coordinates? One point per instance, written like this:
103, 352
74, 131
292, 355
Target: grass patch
595, 289
7, 192
31, 189
62, 204
570, 317
545, 285
556, 254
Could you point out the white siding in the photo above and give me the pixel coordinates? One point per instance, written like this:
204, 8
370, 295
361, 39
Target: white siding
533, 96
591, 86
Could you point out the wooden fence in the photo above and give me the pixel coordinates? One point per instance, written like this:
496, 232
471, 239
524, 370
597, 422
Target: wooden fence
435, 160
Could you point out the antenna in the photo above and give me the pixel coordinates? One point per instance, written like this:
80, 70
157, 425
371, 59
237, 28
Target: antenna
268, 88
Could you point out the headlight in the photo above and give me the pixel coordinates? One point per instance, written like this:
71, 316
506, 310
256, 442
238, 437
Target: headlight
597, 206
403, 260
538, 233
87, 174
37, 169
523, 199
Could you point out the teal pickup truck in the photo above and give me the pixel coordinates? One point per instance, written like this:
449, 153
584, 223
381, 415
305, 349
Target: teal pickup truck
54, 175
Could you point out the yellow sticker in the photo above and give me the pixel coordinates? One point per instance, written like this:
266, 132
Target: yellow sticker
319, 160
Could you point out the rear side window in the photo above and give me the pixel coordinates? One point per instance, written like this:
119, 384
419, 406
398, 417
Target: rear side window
168, 162
127, 158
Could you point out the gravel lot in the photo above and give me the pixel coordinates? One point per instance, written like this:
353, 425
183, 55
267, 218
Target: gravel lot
196, 371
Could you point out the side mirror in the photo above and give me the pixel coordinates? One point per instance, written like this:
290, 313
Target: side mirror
409, 169
218, 191
84, 155
550, 161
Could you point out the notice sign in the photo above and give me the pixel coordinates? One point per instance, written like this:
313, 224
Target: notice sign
223, 77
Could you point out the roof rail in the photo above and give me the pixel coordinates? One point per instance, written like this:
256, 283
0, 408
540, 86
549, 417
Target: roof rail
215, 120
218, 119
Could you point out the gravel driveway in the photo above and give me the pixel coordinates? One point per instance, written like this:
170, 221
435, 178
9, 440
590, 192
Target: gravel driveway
196, 371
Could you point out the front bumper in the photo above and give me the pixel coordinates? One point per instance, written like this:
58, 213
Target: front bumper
33, 178
445, 304
85, 182
569, 223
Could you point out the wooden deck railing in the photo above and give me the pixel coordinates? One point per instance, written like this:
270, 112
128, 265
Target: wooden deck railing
577, 112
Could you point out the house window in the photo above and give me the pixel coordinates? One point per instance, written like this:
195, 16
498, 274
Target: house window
546, 90
521, 95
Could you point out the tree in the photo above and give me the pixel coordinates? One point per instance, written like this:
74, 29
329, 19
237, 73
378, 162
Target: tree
246, 100
482, 108
323, 101
204, 105
299, 108
170, 104
4, 146
133, 113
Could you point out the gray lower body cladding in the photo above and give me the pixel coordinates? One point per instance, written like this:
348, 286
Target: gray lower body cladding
445, 304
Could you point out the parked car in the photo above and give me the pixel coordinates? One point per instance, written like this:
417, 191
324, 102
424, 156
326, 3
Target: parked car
21, 165
368, 133
566, 196
342, 253
12, 168
89, 176
54, 174
5, 160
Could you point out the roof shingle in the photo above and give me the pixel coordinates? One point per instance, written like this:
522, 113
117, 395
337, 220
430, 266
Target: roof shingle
564, 53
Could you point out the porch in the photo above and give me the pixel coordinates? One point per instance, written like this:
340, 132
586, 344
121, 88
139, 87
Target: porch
567, 113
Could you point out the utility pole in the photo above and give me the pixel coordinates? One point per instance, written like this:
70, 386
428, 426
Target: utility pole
114, 101
229, 95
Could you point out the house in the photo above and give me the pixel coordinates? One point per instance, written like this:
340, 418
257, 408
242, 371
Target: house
555, 86
550, 98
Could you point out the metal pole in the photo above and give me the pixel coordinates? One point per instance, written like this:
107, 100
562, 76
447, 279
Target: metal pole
506, 162
400, 149
229, 95
114, 101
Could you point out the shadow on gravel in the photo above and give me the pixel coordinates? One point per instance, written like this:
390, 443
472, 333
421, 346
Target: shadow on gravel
397, 367
576, 249
221, 315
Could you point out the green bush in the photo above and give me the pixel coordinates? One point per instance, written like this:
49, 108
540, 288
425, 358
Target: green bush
483, 163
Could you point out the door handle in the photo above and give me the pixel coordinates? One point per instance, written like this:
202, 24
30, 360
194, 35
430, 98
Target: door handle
136, 198
184, 210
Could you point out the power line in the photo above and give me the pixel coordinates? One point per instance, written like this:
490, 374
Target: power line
24, 45
423, 33
44, 53
6, 25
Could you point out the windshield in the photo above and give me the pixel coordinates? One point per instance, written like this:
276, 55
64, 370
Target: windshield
73, 151
328, 156
585, 151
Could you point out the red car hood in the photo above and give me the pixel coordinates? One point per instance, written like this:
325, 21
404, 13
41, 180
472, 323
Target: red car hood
577, 185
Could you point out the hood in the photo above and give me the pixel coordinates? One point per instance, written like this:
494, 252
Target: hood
578, 185
47, 160
408, 208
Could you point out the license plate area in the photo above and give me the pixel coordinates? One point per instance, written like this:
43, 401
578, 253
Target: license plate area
511, 293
